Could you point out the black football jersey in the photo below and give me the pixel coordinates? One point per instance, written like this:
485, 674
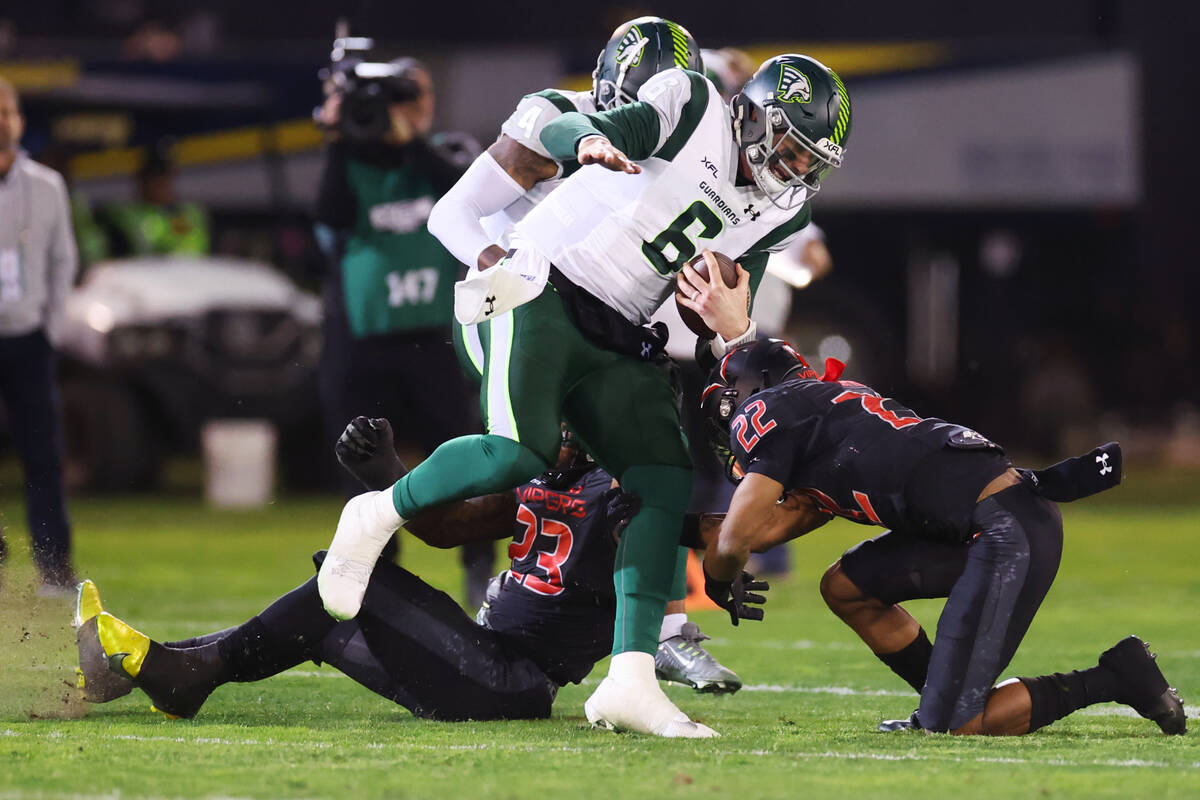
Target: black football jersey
557, 599
866, 457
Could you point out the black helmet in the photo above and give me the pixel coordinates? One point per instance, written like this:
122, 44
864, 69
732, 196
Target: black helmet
799, 101
744, 372
637, 51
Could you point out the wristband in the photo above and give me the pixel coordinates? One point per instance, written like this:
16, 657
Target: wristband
720, 347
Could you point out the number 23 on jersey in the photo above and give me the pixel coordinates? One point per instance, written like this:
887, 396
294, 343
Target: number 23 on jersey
549, 562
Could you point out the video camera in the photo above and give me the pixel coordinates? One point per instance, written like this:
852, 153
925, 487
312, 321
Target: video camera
366, 87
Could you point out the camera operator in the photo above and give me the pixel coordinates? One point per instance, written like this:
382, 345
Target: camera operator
388, 286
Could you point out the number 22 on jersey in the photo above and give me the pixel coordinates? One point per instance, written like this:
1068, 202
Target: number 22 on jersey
749, 426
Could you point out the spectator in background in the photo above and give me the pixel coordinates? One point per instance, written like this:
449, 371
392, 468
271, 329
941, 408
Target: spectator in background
157, 223
37, 268
388, 290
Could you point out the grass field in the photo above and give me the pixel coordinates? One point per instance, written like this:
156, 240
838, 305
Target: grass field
802, 727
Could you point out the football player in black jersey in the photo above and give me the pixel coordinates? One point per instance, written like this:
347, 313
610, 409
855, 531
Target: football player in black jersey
547, 621
963, 525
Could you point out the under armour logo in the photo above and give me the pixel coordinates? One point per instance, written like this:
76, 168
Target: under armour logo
1102, 460
753, 214
645, 349
491, 306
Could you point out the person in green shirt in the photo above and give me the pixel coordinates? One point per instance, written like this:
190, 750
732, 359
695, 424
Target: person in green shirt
388, 285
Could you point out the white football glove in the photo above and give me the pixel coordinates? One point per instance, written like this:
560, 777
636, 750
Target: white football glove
367, 522
512, 281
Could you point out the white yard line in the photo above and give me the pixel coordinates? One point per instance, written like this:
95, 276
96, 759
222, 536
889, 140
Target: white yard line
851, 755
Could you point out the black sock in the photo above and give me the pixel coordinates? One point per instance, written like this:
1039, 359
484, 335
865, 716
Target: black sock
912, 661
198, 641
1053, 697
288, 632
179, 681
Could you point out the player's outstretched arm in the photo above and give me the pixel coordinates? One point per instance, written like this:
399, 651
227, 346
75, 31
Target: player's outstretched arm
523, 165
493, 182
599, 150
794, 516
367, 450
477, 519
754, 516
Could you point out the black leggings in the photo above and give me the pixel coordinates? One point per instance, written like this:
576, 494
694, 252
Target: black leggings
995, 584
409, 643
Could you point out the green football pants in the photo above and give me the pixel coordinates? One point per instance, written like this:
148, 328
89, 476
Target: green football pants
539, 369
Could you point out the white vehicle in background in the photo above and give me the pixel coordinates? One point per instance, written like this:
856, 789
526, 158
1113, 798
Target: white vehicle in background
153, 347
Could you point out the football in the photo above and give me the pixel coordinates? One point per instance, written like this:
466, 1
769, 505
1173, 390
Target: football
691, 318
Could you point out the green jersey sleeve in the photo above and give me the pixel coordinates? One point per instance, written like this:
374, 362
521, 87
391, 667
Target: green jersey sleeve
667, 112
632, 128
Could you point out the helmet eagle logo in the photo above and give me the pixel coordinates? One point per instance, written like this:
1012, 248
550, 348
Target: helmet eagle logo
629, 49
793, 86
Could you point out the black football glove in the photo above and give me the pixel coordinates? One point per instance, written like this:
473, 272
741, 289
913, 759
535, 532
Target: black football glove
368, 453
733, 596
619, 508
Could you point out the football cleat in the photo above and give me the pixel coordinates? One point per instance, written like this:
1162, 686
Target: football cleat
98, 683
93, 676
638, 704
87, 602
166, 714
909, 723
682, 659
1142, 685
125, 648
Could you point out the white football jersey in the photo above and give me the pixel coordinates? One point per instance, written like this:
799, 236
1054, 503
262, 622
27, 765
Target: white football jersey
623, 237
524, 125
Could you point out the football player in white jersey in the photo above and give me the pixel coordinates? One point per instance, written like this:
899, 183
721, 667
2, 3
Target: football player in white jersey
674, 173
637, 51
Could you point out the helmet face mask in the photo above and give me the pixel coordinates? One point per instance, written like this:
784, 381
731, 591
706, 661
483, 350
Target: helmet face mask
791, 122
637, 51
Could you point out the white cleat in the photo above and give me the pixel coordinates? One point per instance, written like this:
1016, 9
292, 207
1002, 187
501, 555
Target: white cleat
366, 523
635, 702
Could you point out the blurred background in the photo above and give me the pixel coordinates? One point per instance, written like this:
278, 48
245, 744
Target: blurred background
1011, 239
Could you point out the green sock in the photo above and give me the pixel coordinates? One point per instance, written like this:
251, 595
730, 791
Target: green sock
468, 466
679, 583
648, 555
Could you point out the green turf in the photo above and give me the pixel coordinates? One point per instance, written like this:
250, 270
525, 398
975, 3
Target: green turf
803, 727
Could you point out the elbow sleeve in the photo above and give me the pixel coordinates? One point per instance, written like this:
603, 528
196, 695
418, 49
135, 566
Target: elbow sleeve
455, 220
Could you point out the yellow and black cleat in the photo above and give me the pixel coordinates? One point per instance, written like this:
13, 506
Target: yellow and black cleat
97, 682
124, 647
166, 714
87, 603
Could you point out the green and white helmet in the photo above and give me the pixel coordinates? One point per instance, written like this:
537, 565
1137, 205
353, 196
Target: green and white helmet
793, 104
637, 51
